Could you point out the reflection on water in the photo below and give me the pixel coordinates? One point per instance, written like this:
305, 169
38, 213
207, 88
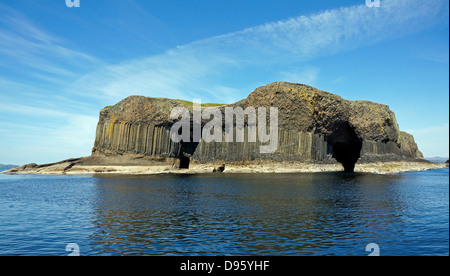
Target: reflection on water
292, 214
257, 214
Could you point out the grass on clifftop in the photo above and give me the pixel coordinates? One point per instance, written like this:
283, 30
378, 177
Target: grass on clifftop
186, 104
191, 104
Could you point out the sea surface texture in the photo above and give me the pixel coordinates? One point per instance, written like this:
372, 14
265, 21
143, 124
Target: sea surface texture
226, 214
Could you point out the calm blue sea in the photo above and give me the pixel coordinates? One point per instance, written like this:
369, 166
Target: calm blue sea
224, 214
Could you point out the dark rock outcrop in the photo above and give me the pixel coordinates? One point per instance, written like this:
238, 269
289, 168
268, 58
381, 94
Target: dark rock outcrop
313, 126
219, 169
67, 164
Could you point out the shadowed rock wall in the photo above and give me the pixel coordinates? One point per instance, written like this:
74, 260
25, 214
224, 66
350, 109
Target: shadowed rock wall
314, 126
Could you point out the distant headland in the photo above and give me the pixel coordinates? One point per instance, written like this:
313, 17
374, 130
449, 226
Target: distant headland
316, 131
6, 167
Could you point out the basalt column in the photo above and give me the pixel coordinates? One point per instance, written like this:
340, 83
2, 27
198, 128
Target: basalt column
314, 126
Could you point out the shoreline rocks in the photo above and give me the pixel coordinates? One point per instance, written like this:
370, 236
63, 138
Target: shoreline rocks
165, 167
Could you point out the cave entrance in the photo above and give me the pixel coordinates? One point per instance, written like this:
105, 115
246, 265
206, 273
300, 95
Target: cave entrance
184, 162
345, 146
187, 150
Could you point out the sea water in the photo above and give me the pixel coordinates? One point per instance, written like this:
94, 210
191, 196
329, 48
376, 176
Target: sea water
226, 214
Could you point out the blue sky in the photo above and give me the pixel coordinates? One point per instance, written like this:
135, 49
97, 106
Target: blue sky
59, 66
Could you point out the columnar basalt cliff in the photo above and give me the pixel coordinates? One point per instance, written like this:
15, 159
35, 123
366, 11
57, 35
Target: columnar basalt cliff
313, 126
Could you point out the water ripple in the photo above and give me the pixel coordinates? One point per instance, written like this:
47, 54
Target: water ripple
291, 214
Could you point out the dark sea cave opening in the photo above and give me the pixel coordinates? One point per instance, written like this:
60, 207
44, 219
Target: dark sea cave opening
345, 146
187, 150
184, 162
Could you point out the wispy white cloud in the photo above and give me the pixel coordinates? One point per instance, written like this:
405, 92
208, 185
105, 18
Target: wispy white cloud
77, 134
38, 122
22, 42
191, 70
307, 75
28, 110
443, 129
442, 57
338, 80
24, 143
432, 140
214, 69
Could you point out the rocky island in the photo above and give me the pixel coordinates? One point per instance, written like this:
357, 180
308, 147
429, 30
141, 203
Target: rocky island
317, 131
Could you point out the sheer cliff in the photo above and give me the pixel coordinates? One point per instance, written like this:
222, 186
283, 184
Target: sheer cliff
313, 126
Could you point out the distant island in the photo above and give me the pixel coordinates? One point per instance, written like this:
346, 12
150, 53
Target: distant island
317, 131
6, 167
437, 159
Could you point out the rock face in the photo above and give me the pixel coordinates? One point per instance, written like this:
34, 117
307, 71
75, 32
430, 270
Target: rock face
313, 126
